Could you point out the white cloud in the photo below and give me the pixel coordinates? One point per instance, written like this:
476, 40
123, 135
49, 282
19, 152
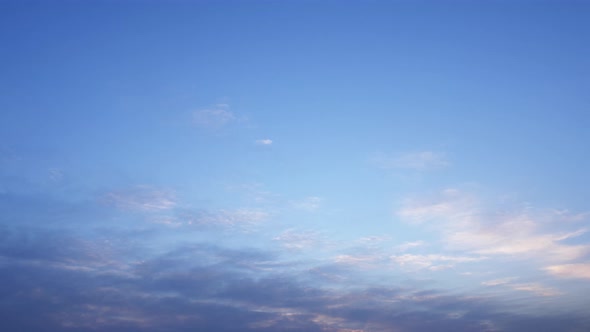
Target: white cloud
373, 240
432, 262
214, 117
243, 219
497, 282
298, 240
450, 205
408, 245
465, 224
577, 271
420, 161
142, 199
534, 288
360, 261
264, 141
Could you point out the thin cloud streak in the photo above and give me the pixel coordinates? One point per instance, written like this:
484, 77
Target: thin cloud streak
299, 240
142, 199
409, 245
432, 262
310, 203
418, 161
215, 117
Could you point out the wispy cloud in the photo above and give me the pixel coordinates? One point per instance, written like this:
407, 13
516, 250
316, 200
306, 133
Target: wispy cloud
310, 203
56, 174
373, 240
578, 271
498, 282
432, 262
359, 261
214, 117
419, 161
534, 288
299, 240
142, 198
448, 205
465, 224
265, 141
409, 245
230, 218
255, 192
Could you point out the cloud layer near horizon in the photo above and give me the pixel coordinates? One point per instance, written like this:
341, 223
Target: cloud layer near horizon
112, 278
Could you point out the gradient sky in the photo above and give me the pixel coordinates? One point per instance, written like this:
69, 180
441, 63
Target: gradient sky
336, 166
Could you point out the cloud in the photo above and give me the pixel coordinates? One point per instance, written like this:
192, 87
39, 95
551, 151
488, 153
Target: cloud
93, 276
497, 282
578, 271
310, 203
465, 224
160, 206
142, 198
534, 288
299, 240
242, 217
254, 192
373, 241
208, 287
419, 161
409, 245
359, 261
449, 205
432, 262
217, 116
55, 174
264, 142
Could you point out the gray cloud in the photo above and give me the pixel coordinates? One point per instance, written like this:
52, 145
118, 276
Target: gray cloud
59, 281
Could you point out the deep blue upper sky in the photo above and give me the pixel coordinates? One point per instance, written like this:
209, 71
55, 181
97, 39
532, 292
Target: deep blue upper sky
346, 166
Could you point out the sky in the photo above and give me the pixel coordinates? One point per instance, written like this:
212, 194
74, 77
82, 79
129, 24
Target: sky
335, 166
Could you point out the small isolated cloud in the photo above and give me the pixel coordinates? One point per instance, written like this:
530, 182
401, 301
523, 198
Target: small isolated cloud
214, 117
419, 161
577, 271
264, 141
142, 199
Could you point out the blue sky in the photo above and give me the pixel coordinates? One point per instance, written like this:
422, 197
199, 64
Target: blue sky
338, 166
